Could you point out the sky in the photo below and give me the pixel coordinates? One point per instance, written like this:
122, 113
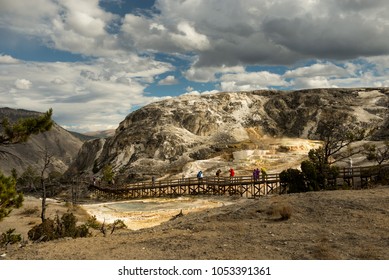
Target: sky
93, 62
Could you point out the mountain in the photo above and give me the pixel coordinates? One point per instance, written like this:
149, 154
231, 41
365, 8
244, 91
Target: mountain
267, 128
100, 134
60, 143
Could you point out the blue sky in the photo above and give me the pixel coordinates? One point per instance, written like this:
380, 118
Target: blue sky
94, 61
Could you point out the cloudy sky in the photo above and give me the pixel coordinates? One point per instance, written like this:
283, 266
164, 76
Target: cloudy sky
94, 61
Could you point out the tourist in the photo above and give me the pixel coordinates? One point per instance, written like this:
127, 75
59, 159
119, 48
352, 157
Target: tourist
200, 176
256, 174
232, 174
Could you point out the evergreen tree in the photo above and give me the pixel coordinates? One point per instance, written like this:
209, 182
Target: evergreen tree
18, 132
21, 130
9, 197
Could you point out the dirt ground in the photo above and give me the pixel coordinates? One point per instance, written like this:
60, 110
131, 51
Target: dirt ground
347, 224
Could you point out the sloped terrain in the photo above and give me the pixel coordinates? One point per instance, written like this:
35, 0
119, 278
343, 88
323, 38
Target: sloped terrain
348, 224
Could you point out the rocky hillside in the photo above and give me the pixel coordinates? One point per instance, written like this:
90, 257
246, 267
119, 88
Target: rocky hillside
231, 129
59, 142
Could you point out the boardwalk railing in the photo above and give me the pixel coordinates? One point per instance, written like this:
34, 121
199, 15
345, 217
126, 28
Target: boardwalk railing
240, 185
244, 186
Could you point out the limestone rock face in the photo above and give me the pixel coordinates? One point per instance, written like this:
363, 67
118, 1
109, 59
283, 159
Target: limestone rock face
191, 132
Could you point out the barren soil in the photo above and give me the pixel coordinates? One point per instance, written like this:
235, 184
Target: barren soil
347, 224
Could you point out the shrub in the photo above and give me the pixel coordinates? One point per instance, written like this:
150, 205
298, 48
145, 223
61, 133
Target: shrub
285, 212
30, 211
281, 212
9, 237
66, 226
294, 180
119, 224
45, 231
93, 223
311, 175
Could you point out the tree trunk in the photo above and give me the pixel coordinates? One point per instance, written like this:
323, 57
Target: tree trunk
43, 214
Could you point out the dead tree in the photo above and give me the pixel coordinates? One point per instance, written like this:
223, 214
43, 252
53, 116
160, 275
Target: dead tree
46, 164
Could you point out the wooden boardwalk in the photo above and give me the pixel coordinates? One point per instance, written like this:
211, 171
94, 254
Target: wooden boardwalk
244, 186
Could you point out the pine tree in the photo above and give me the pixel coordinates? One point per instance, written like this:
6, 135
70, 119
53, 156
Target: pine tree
9, 197
18, 132
21, 130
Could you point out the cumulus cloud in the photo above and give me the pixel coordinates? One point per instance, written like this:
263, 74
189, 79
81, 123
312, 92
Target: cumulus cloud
264, 31
169, 80
145, 33
79, 101
250, 81
318, 69
7, 59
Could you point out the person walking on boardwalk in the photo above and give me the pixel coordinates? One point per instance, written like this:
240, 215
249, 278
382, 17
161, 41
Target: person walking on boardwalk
200, 176
256, 174
232, 174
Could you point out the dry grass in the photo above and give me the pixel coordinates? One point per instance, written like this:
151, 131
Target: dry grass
282, 212
29, 211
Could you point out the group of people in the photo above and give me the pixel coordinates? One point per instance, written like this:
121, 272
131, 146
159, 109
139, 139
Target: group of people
256, 173
200, 174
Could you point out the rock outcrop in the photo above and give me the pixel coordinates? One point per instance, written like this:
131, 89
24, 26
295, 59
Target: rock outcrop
185, 134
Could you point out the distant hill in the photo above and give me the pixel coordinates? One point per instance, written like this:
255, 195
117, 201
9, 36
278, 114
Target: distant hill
100, 134
59, 142
82, 137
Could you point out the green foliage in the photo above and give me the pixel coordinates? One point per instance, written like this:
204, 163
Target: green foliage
311, 175
45, 231
93, 223
14, 174
9, 197
21, 130
29, 177
9, 237
294, 179
119, 224
66, 226
108, 174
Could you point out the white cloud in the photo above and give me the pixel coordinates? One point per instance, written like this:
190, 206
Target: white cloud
312, 82
208, 74
80, 101
23, 84
250, 81
7, 59
318, 69
150, 34
169, 80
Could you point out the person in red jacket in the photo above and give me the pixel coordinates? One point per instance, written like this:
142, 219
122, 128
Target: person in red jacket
232, 173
